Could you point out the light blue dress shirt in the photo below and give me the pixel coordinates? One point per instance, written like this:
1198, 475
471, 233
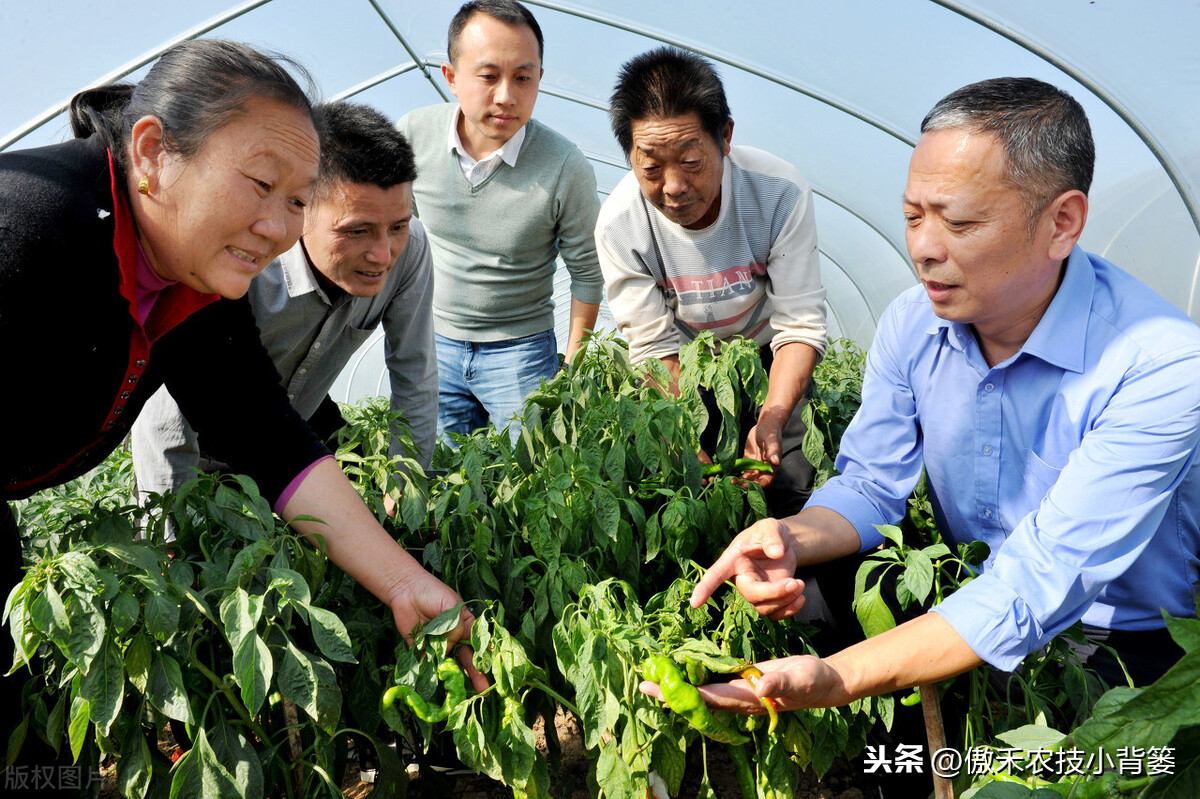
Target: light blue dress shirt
1073, 459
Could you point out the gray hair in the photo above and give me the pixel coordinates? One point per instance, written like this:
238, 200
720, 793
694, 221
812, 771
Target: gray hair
1043, 130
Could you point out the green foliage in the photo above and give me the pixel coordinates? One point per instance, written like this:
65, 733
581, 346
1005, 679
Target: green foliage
576, 546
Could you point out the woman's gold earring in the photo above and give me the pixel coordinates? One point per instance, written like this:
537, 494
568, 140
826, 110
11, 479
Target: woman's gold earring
144, 185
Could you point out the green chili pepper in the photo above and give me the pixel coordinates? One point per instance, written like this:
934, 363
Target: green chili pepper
740, 465
697, 672
909, 700
454, 681
683, 698
744, 771
420, 707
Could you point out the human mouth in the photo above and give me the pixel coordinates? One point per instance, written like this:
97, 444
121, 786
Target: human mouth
249, 260
938, 292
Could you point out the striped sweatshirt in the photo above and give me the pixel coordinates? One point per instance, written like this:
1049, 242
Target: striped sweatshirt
754, 271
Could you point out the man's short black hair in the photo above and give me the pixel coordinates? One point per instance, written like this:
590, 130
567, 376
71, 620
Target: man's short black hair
510, 12
360, 145
667, 82
1043, 130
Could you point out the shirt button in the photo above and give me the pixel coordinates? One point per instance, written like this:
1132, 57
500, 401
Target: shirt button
124, 395
140, 363
989, 387
110, 425
133, 378
987, 450
301, 371
317, 345
988, 513
292, 397
117, 411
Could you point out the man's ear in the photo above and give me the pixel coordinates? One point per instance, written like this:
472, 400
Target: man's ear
448, 74
146, 150
1068, 214
727, 138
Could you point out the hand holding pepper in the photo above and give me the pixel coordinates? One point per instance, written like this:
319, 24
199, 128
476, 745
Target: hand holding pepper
799, 681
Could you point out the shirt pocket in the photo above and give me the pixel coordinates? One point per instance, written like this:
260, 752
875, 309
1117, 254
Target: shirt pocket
1040, 477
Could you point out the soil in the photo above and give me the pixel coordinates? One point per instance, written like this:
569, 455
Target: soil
570, 781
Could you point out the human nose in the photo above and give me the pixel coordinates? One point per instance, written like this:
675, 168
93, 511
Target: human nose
503, 94
380, 250
924, 244
674, 183
273, 225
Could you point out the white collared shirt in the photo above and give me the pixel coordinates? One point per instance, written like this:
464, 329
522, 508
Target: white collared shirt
478, 171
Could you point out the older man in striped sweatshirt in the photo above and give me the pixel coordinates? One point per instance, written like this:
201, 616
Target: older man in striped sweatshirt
702, 235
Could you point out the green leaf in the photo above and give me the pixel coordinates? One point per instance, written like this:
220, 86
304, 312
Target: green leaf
199, 775
1184, 779
873, 613
1141, 716
253, 669
311, 683
291, 586
1186, 632
166, 690
1032, 737
103, 685
240, 614
17, 739
612, 772
444, 622
330, 634
49, 616
918, 574
125, 611
87, 633
77, 729
233, 751
162, 615
892, 533
133, 765
608, 512
138, 656
669, 759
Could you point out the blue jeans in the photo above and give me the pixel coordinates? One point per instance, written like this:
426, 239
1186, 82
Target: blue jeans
482, 381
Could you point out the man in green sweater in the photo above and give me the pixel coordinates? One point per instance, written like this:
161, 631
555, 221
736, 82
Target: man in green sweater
501, 197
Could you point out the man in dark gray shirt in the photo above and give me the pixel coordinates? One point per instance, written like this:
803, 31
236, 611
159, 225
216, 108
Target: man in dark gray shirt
362, 261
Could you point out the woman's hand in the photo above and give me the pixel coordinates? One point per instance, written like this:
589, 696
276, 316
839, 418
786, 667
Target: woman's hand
761, 561
422, 597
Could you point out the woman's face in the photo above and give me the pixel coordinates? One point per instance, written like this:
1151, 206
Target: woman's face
215, 220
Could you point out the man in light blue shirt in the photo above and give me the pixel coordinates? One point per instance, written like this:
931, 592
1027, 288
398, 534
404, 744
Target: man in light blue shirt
1051, 398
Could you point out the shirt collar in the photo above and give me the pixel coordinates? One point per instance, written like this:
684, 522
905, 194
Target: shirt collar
508, 151
1060, 335
1059, 338
297, 273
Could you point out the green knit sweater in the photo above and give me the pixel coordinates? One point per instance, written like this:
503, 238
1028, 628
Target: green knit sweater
494, 245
